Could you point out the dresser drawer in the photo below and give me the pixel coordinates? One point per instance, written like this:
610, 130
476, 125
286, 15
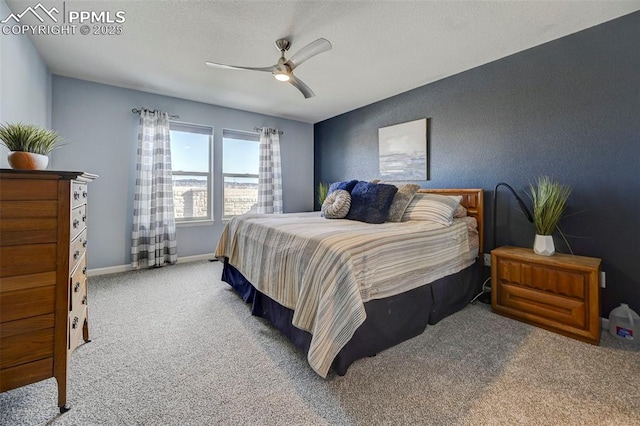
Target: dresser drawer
78, 286
76, 324
78, 221
78, 194
77, 249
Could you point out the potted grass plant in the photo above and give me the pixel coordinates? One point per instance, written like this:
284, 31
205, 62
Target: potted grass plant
323, 189
549, 201
30, 145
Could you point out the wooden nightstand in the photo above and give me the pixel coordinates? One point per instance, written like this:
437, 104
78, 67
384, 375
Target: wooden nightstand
559, 292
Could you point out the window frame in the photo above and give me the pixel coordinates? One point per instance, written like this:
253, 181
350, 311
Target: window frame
184, 127
237, 135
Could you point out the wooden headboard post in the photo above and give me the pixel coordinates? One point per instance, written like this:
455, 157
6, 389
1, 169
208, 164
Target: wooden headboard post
473, 201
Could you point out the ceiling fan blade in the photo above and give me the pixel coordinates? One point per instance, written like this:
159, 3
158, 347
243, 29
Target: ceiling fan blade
306, 90
233, 67
309, 51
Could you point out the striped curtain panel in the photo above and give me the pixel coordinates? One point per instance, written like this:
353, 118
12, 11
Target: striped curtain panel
269, 172
153, 241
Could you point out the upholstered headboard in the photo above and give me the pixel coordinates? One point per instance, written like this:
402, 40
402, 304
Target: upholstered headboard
472, 200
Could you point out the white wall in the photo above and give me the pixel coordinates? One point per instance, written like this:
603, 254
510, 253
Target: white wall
101, 131
25, 83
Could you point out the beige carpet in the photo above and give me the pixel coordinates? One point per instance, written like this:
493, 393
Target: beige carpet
174, 346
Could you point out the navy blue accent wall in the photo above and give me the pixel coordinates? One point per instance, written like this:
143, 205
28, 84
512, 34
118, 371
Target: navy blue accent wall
569, 108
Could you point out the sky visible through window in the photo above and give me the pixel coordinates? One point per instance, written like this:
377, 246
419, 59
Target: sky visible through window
190, 153
240, 156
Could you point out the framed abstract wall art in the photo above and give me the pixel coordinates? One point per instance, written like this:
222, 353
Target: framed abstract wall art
403, 151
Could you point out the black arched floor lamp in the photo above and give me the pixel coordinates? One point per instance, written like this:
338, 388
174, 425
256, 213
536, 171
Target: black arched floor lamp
484, 296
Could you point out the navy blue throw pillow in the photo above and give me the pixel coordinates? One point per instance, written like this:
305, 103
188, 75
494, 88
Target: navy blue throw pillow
370, 202
346, 185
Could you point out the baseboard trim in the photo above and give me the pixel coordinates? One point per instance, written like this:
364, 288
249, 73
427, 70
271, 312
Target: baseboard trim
125, 268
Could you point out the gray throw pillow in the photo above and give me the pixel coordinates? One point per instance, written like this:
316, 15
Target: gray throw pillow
337, 204
401, 200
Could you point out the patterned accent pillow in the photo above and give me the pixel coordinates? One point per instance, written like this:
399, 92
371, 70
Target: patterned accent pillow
434, 207
401, 201
337, 204
371, 202
346, 185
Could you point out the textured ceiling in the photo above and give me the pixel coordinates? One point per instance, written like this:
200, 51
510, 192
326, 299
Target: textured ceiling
380, 48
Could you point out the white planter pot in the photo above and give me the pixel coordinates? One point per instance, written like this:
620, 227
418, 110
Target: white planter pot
543, 245
27, 160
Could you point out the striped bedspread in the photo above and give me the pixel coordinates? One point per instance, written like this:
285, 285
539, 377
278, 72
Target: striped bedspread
325, 269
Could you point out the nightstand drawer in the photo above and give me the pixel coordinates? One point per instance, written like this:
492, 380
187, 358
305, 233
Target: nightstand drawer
543, 305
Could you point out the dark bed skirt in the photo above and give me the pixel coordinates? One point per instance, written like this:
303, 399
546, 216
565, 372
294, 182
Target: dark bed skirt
389, 322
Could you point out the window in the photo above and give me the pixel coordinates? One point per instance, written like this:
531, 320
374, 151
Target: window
240, 157
191, 163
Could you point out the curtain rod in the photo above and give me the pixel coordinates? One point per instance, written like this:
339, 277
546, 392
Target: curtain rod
138, 111
259, 129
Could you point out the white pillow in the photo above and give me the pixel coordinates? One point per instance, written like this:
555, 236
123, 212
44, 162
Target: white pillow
433, 207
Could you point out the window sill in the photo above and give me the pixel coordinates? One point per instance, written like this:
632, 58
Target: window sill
189, 223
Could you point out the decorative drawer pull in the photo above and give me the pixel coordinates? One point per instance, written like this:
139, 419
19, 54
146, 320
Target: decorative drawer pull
84, 270
76, 195
76, 288
84, 243
74, 324
76, 254
76, 223
84, 194
84, 300
84, 218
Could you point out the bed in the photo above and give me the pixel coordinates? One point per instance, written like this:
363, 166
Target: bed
341, 290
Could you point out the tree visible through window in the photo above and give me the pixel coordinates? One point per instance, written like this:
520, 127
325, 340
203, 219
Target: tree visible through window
240, 158
191, 164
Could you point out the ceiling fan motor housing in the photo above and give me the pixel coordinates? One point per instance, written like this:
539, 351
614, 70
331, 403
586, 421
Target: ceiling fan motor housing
283, 44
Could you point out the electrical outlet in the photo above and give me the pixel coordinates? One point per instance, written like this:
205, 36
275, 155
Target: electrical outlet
487, 259
603, 279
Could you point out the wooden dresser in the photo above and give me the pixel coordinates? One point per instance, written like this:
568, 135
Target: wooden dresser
559, 292
43, 283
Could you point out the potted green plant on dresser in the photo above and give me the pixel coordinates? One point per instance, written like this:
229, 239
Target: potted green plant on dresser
549, 201
30, 145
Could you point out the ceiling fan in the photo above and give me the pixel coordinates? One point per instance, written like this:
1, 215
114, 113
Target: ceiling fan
283, 70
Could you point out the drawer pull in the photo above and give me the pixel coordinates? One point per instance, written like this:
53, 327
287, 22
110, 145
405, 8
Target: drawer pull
84, 243
76, 254
84, 300
84, 194
76, 223
76, 288
84, 270
74, 324
84, 218
76, 195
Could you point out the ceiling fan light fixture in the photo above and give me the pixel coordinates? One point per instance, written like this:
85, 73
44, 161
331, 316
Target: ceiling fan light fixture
281, 76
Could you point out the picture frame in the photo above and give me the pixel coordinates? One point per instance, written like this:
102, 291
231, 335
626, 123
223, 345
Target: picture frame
403, 151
